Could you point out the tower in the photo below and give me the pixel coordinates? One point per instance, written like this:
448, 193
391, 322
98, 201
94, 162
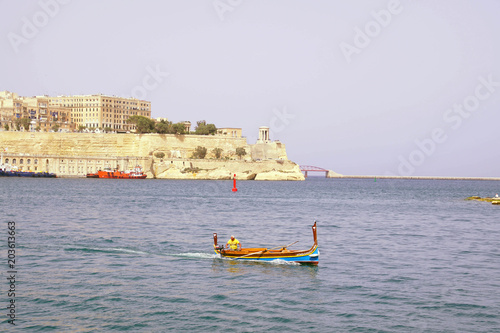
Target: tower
264, 135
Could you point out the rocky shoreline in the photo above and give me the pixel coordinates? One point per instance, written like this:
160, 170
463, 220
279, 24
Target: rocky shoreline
225, 170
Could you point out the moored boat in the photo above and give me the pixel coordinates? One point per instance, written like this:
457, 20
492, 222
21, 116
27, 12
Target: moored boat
309, 256
135, 173
11, 171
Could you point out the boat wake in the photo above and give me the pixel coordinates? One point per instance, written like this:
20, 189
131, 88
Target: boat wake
187, 255
282, 262
197, 255
105, 250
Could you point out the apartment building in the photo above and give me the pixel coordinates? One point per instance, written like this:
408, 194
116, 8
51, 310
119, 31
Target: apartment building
42, 116
101, 111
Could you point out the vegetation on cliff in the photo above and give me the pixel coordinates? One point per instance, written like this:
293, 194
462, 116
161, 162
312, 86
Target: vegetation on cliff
240, 152
199, 152
202, 128
160, 155
147, 125
217, 152
23, 122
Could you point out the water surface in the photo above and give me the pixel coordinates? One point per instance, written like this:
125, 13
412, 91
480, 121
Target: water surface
128, 255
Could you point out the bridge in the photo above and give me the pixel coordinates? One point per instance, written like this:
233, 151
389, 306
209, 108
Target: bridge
310, 168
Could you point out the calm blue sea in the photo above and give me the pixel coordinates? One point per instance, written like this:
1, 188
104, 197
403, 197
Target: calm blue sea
99, 255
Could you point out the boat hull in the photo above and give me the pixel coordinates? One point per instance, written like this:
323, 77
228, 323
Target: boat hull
109, 173
27, 174
119, 175
308, 258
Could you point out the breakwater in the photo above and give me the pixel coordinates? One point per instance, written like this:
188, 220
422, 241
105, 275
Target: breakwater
416, 177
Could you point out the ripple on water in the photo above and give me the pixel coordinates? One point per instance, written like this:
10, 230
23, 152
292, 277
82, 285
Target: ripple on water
396, 260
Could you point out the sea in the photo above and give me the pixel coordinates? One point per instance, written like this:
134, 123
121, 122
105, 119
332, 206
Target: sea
108, 255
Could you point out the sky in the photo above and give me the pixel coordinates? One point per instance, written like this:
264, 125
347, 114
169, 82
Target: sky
409, 88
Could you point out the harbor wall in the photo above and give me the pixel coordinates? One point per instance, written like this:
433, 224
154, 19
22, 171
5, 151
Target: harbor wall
76, 154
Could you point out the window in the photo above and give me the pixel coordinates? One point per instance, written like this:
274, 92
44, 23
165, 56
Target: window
14, 161
21, 161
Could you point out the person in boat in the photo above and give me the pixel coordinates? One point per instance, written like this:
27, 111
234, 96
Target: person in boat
496, 195
233, 244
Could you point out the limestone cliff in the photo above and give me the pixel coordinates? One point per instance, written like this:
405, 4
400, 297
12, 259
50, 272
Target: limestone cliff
75, 154
223, 170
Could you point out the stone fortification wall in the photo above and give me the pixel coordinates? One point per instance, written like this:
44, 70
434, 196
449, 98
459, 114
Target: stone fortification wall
271, 150
119, 145
75, 154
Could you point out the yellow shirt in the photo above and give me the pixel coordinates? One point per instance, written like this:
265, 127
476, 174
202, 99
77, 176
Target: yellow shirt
233, 244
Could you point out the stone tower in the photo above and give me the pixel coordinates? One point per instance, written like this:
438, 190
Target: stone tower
264, 135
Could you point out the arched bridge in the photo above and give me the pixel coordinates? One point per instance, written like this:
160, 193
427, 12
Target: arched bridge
307, 168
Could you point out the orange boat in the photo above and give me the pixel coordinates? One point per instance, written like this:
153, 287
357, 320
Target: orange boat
135, 173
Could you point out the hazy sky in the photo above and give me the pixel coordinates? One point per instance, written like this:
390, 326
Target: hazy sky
360, 87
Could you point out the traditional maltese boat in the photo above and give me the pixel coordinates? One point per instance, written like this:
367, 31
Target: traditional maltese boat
310, 256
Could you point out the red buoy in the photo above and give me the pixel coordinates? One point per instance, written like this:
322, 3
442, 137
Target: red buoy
234, 184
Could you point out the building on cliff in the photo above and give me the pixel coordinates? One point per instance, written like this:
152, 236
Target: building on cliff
69, 112
230, 132
265, 149
160, 155
42, 115
102, 111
